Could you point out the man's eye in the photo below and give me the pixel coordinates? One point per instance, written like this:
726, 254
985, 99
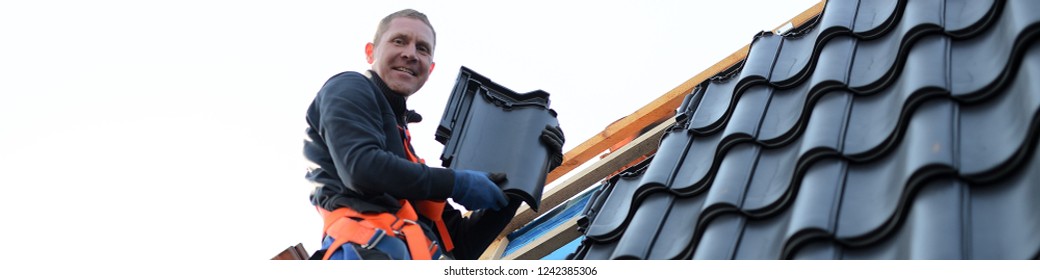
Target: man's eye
424, 49
398, 41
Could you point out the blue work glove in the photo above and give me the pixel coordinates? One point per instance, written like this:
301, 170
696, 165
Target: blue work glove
475, 190
552, 137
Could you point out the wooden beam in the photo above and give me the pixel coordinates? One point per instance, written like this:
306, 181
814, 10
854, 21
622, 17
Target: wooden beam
295, 252
494, 252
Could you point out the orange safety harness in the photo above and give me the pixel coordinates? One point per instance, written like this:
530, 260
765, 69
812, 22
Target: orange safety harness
347, 225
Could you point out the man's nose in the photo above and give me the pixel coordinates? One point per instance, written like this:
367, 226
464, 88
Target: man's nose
408, 53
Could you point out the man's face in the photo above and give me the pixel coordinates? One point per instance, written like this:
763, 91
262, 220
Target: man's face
403, 57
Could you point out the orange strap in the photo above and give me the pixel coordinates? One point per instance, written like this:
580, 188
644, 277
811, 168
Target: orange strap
408, 146
343, 229
342, 226
430, 209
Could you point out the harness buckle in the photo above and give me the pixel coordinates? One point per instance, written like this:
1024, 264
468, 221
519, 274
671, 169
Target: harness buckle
398, 232
376, 238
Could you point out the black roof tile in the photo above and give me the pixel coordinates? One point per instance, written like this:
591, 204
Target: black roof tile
590, 250
875, 61
645, 226
758, 66
731, 181
782, 115
594, 206
932, 229
675, 239
720, 238
1003, 215
696, 169
763, 239
482, 117
979, 64
821, 250
876, 191
670, 153
772, 179
991, 133
814, 211
609, 222
873, 17
747, 115
875, 118
802, 47
965, 18
708, 116
825, 130
786, 113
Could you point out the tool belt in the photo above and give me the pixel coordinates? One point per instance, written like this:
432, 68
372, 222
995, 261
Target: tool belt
368, 229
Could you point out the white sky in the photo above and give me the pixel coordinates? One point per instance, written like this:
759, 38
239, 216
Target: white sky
178, 126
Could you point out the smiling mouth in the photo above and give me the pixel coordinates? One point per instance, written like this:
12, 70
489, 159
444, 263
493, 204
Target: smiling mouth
406, 70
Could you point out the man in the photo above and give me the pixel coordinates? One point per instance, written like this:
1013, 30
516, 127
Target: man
377, 198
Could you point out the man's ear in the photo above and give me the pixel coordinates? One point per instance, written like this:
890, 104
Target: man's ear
432, 64
370, 50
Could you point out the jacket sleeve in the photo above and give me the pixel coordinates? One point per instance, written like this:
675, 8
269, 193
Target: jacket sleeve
353, 124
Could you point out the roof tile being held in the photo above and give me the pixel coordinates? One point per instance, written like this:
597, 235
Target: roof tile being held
490, 128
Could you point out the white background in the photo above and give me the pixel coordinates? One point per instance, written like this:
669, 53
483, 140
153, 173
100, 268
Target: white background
173, 131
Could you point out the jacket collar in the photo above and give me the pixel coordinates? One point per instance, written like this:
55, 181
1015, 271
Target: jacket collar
396, 100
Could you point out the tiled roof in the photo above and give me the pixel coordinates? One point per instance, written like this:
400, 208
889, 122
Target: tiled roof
884, 130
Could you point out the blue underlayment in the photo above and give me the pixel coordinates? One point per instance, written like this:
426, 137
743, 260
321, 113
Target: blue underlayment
551, 220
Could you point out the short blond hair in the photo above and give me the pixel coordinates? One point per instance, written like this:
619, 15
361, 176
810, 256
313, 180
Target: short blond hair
408, 13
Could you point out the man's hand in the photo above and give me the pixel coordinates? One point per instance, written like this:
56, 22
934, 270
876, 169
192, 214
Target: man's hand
552, 137
476, 190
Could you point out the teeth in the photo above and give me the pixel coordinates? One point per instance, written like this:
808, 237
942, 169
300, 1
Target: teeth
409, 71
